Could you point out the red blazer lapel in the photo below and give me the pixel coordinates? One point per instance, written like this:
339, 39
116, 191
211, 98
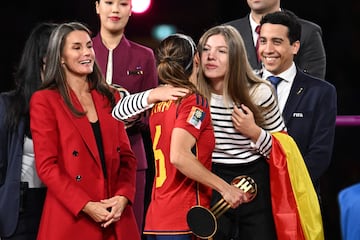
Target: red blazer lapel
83, 126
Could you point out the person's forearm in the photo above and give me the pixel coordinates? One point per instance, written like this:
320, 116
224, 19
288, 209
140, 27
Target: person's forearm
131, 105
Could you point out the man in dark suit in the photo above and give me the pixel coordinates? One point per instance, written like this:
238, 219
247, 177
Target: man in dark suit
308, 104
311, 57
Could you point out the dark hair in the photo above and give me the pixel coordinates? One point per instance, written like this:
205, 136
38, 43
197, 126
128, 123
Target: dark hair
28, 75
286, 18
54, 75
175, 60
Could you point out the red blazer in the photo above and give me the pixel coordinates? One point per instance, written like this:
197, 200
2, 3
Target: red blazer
68, 162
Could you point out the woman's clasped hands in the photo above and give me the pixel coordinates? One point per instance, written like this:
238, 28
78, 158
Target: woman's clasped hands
106, 211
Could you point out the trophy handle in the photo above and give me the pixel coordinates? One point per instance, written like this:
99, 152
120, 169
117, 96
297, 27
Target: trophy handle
203, 222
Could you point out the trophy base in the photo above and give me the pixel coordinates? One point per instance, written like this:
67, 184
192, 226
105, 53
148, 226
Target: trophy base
202, 222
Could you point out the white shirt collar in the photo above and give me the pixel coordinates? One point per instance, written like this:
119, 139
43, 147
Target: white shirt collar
288, 75
253, 25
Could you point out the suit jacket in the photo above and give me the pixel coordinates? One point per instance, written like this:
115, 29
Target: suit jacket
311, 57
310, 117
134, 68
68, 162
11, 152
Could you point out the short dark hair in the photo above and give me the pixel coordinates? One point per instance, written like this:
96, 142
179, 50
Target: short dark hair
286, 18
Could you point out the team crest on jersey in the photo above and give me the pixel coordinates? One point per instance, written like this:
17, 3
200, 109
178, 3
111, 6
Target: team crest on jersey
196, 117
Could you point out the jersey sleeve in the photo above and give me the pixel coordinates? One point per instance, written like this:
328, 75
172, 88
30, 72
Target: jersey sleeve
193, 114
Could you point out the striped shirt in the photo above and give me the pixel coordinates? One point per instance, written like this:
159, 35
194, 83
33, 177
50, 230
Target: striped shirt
232, 147
128, 108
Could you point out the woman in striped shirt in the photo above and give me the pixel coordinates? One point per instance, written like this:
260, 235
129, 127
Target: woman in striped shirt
183, 140
244, 113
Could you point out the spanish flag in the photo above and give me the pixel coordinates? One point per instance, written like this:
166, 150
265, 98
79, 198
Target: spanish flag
295, 204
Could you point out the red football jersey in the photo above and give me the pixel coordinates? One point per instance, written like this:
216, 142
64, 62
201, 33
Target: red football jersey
173, 194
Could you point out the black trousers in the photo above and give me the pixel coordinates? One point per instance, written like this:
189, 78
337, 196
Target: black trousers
253, 220
32, 201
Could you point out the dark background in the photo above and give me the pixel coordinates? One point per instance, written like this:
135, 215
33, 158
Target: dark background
193, 17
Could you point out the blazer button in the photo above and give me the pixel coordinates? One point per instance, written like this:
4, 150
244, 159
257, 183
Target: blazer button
75, 153
118, 149
78, 178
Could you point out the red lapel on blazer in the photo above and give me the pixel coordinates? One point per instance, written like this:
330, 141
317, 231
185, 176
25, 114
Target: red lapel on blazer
83, 126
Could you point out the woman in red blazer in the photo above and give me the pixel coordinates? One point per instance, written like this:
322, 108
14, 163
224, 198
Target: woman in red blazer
82, 153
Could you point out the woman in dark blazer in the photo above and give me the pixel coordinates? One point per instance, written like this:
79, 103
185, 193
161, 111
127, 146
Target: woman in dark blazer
82, 153
21, 193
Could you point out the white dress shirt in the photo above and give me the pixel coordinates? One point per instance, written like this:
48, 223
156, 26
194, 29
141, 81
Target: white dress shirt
283, 88
28, 169
253, 25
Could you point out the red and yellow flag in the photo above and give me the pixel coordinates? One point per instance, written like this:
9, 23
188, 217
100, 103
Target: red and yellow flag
295, 204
